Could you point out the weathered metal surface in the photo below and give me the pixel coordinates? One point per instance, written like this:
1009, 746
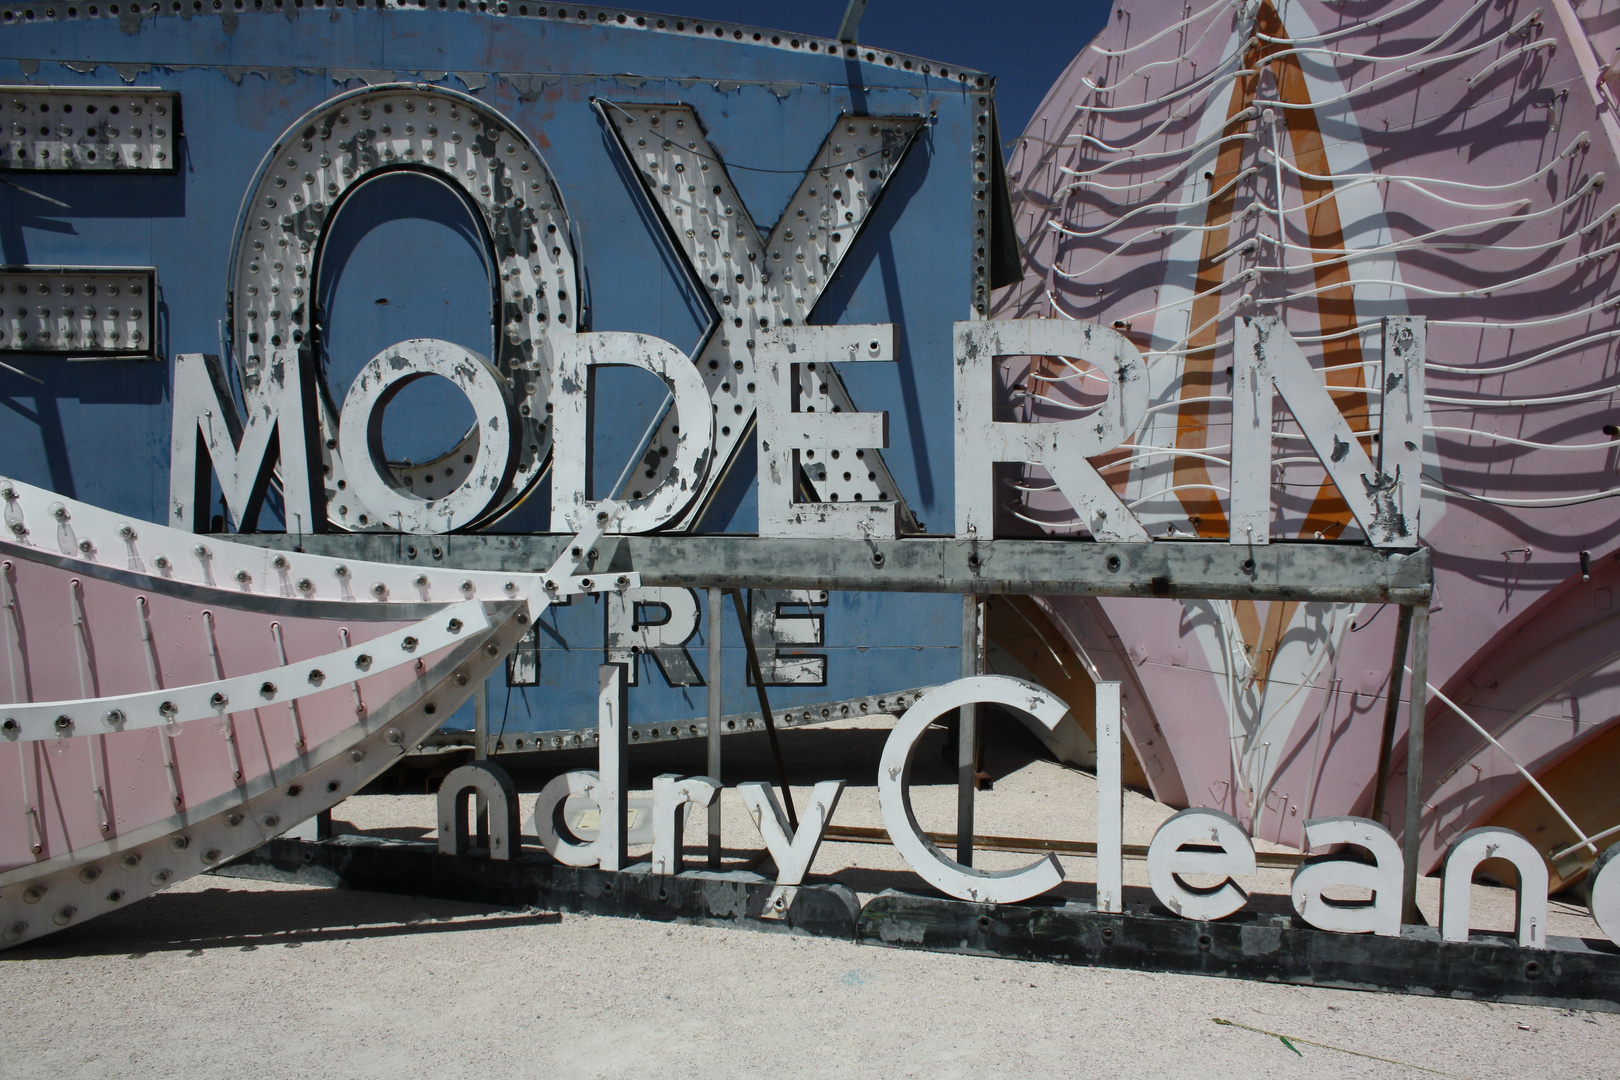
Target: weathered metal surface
1337, 572
84, 313
874, 706
1569, 973
716, 898
84, 129
134, 747
756, 291
353, 116
77, 871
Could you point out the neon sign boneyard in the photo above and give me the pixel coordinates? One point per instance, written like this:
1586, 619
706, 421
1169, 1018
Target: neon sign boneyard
1194, 842
544, 359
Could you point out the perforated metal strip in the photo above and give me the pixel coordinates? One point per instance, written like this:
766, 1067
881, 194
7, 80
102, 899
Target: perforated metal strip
584, 15
674, 730
82, 129
81, 312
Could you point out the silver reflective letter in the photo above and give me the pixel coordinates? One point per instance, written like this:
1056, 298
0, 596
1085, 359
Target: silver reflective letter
1060, 448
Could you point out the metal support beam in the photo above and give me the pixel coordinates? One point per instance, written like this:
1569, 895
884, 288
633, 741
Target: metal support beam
851, 23
764, 707
1570, 973
967, 736
1392, 707
1191, 569
1413, 838
481, 753
715, 671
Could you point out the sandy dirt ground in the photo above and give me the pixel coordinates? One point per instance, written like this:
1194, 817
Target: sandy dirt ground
222, 976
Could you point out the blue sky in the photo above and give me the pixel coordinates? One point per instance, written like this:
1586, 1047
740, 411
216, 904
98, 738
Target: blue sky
1025, 45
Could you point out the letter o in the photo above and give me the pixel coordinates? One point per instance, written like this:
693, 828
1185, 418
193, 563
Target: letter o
360, 436
894, 791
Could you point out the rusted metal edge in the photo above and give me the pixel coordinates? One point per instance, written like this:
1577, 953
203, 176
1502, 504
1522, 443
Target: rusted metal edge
1191, 569
591, 15
1570, 973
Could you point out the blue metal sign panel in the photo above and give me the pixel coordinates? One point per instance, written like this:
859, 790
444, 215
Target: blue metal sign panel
408, 248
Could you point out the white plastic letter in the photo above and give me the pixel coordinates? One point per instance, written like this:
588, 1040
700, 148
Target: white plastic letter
606, 787
671, 796
1198, 841
786, 433
1059, 448
360, 443
1456, 884
495, 786
1381, 915
894, 791
1385, 499
793, 852
553, 795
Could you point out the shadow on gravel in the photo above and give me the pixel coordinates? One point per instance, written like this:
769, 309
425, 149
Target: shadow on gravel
223, 918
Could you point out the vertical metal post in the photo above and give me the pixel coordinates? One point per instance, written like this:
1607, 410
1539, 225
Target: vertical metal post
1414, 760
613, 763
481, 722
967, 735
765, 706
715, 626
1110, 799
481, 753
1392, 708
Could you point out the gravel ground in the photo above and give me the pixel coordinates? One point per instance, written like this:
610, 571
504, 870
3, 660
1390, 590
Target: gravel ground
219, 976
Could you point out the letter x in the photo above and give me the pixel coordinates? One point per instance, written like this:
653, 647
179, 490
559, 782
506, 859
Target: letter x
756, 283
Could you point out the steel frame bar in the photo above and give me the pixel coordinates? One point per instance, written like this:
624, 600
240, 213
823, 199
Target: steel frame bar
1188, 569
1569, 973
1392, 708
1417, 708
712, 735
967, 736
